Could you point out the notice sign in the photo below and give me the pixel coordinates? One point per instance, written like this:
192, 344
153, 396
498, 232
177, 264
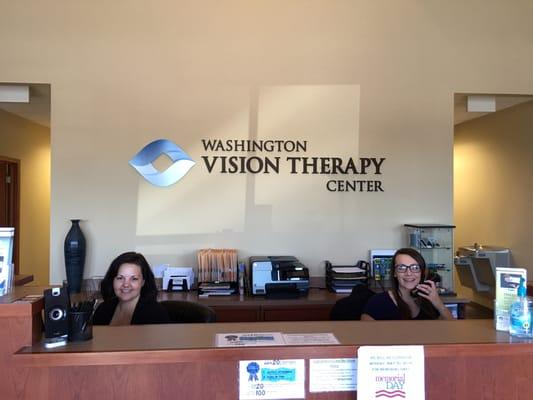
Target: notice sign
390, 372
332, 374
271, 379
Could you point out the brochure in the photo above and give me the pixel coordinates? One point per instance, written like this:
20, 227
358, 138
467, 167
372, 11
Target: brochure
6, 266
507, 282
249, 339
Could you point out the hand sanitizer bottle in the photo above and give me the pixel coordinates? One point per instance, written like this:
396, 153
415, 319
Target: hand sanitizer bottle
520, 321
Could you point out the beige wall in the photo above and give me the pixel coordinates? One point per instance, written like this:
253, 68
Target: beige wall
492, 181
369, 78
30, 143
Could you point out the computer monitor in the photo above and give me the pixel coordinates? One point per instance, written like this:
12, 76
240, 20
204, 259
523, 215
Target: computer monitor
381, 263
6, 259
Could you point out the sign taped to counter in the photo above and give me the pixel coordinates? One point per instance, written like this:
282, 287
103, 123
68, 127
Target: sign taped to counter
386, 372
332, 375
271, 379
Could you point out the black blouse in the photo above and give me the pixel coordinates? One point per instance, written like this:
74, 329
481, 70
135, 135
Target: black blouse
147, 311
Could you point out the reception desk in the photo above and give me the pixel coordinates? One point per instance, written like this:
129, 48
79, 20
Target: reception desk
464, 359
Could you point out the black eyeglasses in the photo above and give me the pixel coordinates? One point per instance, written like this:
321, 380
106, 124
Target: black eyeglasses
402, 268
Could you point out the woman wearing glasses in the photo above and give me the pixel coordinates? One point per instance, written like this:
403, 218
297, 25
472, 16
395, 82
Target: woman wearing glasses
401, 302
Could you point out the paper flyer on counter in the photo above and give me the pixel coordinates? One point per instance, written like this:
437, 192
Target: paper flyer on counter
309, 339
387, 372
249, 339
271, 379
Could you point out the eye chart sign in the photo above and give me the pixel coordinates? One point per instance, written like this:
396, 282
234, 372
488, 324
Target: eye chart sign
390, 372
271, 379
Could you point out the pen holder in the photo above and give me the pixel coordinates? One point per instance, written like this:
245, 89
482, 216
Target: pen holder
80, 326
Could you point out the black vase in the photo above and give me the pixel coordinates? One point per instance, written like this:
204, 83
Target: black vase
74, 256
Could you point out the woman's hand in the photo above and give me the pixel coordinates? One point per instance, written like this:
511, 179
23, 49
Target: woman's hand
429, 291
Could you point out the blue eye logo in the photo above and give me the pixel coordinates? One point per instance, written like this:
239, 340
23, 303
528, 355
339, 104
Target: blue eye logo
142, 162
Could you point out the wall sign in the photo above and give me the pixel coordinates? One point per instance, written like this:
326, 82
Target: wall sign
232, 156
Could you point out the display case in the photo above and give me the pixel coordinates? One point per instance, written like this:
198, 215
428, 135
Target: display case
435, 243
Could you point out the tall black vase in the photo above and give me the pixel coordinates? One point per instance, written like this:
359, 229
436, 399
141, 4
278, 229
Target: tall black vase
74, 256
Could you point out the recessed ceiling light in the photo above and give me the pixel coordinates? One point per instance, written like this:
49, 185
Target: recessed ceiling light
14, 94
481, 103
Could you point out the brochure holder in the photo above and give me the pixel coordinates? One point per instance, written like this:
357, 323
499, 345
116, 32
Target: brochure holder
7, 274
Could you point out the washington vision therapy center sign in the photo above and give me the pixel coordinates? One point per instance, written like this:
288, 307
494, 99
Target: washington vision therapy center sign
270, 157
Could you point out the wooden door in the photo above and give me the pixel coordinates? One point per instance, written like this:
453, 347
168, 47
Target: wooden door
9, 201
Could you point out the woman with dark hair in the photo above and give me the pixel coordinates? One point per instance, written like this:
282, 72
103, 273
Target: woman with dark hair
401, 302
129, 293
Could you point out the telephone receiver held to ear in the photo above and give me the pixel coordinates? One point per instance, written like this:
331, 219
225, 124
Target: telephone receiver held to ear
432, 276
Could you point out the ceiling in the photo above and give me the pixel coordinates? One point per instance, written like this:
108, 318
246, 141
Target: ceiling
503, 101
38, 109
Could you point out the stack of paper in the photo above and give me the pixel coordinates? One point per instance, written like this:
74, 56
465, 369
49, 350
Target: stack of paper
217, 288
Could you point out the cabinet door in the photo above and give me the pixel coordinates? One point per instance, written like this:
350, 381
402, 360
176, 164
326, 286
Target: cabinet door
237, 314
436, 246
299, 313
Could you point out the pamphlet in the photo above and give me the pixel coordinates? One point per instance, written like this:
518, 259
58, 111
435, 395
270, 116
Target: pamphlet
298, 339
6, 253
249, 339
507, 282
273, 339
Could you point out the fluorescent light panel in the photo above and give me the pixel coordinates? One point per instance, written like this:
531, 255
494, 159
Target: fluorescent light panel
481, 103
14, 94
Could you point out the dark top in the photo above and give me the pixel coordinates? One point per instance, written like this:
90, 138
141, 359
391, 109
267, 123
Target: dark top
147, 311
381, 307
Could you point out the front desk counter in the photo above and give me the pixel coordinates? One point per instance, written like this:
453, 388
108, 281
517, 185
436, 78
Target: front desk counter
464, 359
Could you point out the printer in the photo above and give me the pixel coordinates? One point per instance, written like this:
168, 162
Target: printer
176, 279
278, 276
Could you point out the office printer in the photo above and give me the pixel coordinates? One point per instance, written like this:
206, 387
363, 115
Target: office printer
278, 276
178, 279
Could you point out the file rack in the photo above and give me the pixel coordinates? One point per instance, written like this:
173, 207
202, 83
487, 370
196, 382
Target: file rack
343, 278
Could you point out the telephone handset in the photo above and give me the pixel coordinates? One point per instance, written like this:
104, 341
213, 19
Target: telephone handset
432, 276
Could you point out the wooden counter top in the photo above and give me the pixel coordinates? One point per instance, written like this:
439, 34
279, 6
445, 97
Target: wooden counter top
166, 343
198, 336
